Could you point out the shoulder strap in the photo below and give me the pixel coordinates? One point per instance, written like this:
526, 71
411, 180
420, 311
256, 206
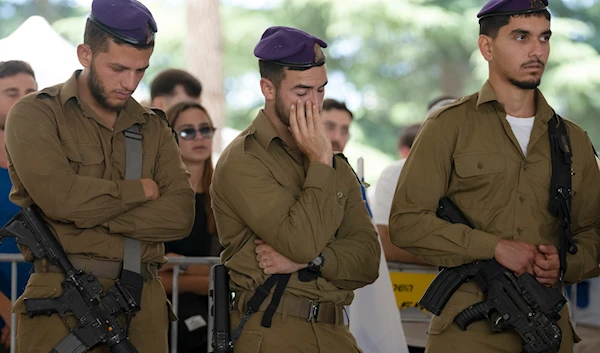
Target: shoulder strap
561, 188
132, 256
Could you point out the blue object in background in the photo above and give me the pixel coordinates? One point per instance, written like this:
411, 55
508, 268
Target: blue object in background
583, 294
8, 246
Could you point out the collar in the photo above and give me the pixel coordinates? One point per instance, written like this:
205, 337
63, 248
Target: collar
543, 111
263, 130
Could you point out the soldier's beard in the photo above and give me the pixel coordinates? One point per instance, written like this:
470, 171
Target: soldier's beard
282, 111
532, 84
98, 91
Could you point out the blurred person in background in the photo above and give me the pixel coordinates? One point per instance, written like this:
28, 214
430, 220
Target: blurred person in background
16, 80
172, 86
336, 118
195, 130
416, 330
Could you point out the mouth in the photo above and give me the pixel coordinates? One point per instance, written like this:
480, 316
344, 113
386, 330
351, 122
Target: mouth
123, 95
199, 148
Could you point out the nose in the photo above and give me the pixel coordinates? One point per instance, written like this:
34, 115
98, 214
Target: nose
130, 81
538, 49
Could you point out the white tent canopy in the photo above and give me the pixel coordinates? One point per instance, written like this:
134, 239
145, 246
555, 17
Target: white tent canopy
51, 56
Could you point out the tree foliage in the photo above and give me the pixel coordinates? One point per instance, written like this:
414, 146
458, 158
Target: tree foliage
386, 58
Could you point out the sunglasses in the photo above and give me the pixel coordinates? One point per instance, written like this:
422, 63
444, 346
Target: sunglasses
190, 133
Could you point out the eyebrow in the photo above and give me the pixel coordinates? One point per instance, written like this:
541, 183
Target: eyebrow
301, 86
526, 32
123, 67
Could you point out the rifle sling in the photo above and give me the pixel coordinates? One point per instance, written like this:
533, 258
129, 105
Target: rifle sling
561, 193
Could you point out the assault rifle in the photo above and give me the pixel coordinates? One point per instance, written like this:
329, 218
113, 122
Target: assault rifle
96, 311
518, 303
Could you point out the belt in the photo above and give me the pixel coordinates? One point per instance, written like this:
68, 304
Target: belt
307, 309
99, 268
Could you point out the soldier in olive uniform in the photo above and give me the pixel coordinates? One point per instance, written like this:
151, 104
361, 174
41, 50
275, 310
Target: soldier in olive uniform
66, 153
490, 154
284, 203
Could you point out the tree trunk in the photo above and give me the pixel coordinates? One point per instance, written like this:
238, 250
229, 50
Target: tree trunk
204, 58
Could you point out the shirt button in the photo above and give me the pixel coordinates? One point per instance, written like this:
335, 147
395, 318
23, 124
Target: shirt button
113, 163
519, 230
524, 166
522, 199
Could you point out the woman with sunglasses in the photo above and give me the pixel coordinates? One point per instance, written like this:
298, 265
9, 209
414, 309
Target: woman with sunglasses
194, 130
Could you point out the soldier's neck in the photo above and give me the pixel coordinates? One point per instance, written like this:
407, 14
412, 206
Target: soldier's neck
518, 102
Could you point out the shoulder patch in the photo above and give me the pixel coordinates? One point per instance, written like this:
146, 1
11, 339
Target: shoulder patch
456, 103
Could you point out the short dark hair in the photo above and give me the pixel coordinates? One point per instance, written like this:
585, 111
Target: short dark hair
97, 39
275, 72
11, 68
272, 72
491, 25
165, 82
331, 104
408, 135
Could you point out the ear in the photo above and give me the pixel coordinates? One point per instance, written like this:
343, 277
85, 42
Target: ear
485, 47
268, 89
84, 54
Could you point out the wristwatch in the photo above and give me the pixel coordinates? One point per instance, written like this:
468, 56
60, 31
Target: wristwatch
315, 265
313, 271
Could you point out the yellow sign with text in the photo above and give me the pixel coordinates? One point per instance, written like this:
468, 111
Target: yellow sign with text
410, 287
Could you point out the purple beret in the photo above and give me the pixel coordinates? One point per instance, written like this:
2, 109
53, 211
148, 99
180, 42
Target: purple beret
127, 20
290, 47
512, 7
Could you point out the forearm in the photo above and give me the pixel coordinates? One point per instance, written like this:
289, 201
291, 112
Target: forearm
352, 258
438, 242
298, 227
168, 218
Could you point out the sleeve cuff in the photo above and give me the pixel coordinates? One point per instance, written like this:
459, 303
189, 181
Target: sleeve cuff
320, 176
482, 245
330, 267
131, 192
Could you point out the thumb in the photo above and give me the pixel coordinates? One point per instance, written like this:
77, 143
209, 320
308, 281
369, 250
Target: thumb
548, 249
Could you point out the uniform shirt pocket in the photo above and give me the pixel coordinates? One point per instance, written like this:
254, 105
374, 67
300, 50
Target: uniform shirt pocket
477, 178
85, 159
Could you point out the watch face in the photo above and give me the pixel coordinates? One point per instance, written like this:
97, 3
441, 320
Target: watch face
318, 261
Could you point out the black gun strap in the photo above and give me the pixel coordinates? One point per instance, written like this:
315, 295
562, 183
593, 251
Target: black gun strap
561, 187
131, 277
261, 293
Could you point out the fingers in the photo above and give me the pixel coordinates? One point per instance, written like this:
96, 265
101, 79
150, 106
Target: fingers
301, 118
548, 249
259, 242
544, 273
547, 264
294, 129
310, 116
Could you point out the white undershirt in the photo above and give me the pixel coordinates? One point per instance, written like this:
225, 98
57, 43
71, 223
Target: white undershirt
521, 127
